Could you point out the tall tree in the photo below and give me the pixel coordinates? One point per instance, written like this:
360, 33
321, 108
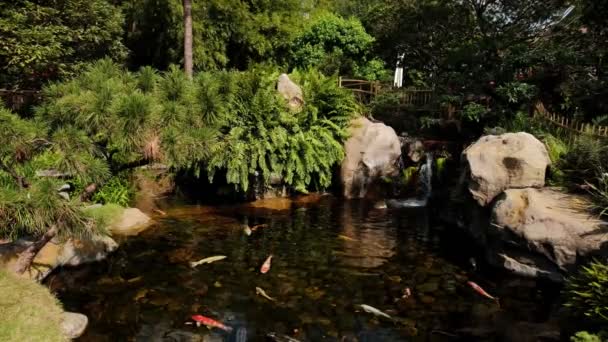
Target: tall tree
188, 37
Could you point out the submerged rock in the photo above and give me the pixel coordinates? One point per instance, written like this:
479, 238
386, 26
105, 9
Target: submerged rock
372, 153
508, 161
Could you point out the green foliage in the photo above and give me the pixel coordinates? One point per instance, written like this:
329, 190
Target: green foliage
474, 112
587, 292
585, 160
117, 190
226, 33
260, 134
30, 204
517, 92
556, 147
409, 174
336, 46
583, 336
44, 40
221, 121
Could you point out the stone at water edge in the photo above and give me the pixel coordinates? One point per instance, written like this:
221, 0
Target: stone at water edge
372, 152
499, 162
291, 92
73, 324
131, 222
546, 225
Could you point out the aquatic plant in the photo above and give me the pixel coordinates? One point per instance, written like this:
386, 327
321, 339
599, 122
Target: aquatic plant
586, 293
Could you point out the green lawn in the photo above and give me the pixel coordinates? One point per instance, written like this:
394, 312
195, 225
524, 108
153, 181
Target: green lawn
28, 311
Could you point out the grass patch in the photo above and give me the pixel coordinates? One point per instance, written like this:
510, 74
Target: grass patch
28, 311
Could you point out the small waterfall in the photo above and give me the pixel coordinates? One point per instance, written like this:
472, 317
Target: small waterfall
426, 178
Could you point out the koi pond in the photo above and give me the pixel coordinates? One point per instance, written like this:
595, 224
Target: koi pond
329, 257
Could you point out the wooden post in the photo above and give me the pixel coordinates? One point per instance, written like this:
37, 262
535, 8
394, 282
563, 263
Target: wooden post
340, 82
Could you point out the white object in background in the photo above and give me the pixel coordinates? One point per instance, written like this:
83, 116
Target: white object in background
398, 81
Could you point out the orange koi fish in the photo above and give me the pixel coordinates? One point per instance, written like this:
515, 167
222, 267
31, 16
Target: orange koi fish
481, 291
266, 265
209, 323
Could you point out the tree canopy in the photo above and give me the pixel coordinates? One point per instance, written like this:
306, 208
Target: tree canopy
45, 40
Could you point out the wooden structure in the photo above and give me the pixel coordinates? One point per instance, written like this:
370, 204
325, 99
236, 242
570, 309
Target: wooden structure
572, 126
365, 91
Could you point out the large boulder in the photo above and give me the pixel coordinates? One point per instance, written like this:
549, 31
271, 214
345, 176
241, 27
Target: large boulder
499, 162
544, 232
291, 92
372, 152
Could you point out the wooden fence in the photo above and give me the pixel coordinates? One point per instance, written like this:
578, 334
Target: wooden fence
570, 125
365, 91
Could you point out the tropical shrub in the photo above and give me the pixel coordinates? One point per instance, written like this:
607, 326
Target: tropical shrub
221, 121
260, 135
587, 292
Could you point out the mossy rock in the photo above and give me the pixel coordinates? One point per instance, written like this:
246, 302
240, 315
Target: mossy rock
29, 311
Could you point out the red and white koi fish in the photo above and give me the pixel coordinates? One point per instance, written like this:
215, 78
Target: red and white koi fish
481, 291
209, 323
266, 265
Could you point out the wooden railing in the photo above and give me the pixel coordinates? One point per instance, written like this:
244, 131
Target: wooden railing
365, 91
572, 126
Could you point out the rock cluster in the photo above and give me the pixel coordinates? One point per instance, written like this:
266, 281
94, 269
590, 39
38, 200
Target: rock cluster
530, 230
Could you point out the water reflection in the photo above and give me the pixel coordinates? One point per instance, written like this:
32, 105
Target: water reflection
328, 258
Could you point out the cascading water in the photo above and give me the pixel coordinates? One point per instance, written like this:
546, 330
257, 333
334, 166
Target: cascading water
426, 177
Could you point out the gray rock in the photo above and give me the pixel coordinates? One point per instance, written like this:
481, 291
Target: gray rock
131, 222
372, 152
508, 161
550, 224
291, 92
73, 324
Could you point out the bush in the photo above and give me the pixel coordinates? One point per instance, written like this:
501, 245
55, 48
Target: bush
587, 292
221, 121
336, 45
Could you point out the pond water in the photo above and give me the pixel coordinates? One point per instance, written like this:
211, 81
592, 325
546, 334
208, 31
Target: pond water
329, 257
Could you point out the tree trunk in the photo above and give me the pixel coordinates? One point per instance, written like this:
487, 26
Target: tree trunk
188, 37
29, 254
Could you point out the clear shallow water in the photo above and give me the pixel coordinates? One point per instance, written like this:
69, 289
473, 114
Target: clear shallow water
328, 257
